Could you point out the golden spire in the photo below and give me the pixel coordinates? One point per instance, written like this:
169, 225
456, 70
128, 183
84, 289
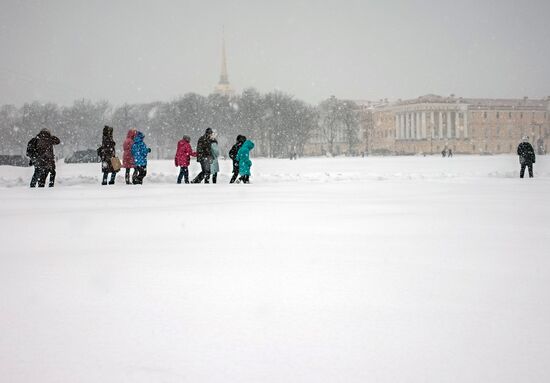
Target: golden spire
223, 87
224, 78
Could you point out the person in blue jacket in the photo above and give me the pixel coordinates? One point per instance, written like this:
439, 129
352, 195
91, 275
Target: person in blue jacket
140, 152
243, 156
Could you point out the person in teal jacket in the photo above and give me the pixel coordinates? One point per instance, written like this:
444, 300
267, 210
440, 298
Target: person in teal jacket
243, 156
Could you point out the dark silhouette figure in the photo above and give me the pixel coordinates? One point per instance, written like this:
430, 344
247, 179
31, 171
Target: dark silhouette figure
106, 153
233, 155
527, 157
204, 157
40, 152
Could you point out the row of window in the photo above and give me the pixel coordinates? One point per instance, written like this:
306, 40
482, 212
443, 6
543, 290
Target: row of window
510, 132
510, 115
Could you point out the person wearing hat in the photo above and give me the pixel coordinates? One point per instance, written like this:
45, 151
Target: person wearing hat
106, 153
127, 157
233, 155
183, 158
140, 151
204, 157
526, 155
40, 151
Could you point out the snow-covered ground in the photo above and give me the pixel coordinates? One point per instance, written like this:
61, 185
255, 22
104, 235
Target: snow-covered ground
397, 269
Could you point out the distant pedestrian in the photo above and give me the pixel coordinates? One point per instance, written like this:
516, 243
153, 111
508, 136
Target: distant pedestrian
527, 157
243, 156
444, 152
233, 155
40, 152
140, 152
204, 157
449, 152
215, 152
127, 157
107, 153
183, 158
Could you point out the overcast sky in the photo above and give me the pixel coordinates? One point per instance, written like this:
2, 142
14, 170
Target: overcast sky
140, 51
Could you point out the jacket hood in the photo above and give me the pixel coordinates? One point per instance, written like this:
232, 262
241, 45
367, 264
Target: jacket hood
139, 136
131, 134
107, 131
44, 133
248, 145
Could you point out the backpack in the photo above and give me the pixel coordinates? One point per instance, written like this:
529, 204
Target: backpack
32, 148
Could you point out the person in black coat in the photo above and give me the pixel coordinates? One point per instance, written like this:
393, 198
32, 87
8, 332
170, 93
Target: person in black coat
40, 151
233, 155
527, 158
106, 152
204, 157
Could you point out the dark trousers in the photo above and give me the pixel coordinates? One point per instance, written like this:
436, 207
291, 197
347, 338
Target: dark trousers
184, 173
245, 179
127, 176
522, 171
235, 172
141, 173
106, 175
35, 176
214, 178
43, 174
204, 174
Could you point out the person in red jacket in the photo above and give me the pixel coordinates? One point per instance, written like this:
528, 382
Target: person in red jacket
183, 158
128, 158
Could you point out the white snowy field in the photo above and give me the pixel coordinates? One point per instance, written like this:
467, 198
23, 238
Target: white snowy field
397, 269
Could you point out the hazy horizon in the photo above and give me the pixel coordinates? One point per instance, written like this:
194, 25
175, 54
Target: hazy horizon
138, 51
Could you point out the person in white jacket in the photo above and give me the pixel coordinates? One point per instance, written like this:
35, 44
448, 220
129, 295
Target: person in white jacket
215, 151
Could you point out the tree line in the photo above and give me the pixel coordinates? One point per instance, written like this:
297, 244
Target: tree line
279, 123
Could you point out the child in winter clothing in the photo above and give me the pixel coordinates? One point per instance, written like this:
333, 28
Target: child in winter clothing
243, 156
140, 151
215, 152
106, 152
183, 158
233, 155
128, 158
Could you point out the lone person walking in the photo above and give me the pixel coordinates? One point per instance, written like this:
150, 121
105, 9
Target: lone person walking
526, 155
40, 151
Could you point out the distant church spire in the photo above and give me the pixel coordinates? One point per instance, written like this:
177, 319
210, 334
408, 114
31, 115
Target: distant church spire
224, 79
223, 87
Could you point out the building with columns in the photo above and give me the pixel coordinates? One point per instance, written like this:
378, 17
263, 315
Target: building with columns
430, 124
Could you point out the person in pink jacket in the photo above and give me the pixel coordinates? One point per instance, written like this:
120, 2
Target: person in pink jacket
128, 158
183, 158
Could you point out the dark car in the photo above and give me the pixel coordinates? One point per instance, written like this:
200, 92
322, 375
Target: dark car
14, 160
83, 156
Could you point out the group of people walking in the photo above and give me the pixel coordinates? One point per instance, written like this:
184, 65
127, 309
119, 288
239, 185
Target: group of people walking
135, 152
134, 156
207, 156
